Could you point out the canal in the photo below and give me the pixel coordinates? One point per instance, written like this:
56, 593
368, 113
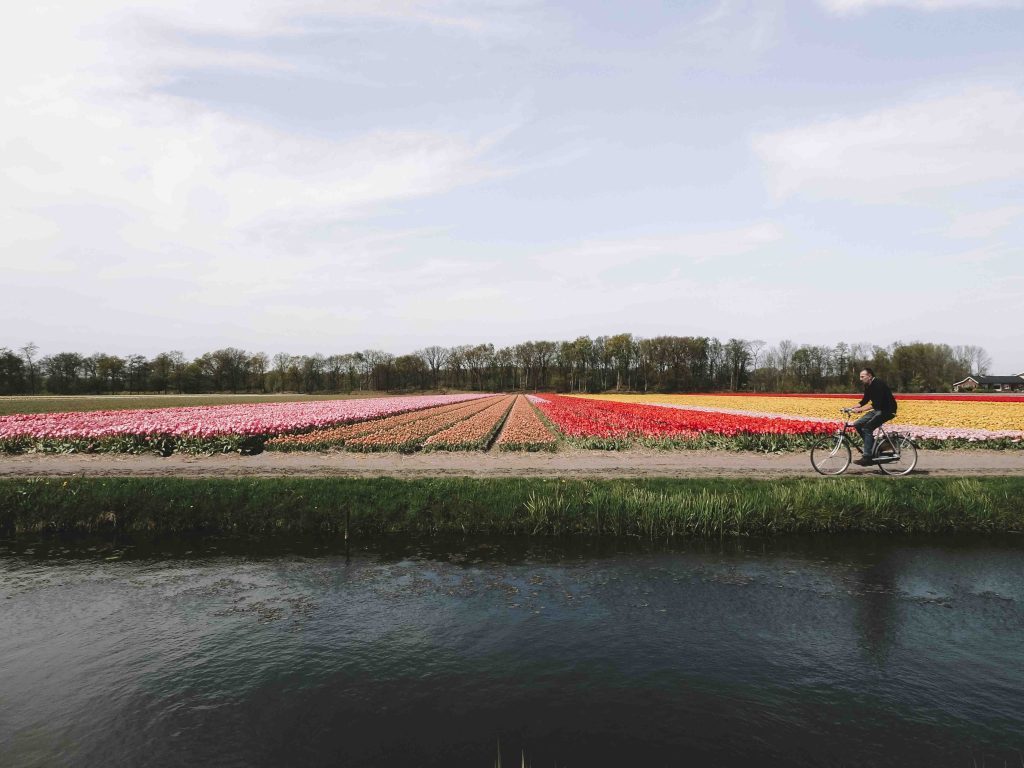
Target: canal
853, 651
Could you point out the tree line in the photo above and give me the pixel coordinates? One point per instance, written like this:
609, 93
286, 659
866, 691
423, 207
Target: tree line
622, 362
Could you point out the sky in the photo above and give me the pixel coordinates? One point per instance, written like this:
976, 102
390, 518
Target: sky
336, 175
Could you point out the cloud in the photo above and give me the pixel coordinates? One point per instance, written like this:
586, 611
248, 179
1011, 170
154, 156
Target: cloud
844, 7
133, 47
983, 224
103, 167
743, 28
989, 255
594, 257
184, 172
931, 144
144, 215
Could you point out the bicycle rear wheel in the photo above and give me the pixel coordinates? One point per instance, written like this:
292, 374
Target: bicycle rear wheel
896, 456
830, 455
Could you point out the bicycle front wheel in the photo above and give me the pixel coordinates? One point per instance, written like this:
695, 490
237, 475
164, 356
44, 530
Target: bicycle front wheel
896, 457
830, 455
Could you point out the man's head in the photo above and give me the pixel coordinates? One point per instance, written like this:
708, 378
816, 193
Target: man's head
866, 375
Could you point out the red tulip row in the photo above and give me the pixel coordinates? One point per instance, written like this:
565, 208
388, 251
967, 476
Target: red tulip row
606, 420
475, 433
524, 431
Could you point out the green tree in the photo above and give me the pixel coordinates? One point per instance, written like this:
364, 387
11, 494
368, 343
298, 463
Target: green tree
12, 373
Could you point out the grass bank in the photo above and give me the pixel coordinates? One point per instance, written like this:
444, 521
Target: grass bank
649, 508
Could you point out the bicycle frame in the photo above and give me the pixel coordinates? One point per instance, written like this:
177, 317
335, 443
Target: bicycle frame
894, 452
848, 426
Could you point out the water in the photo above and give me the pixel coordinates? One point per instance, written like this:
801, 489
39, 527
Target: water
843, 651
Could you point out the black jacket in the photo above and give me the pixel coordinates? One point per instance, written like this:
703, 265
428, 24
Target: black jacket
880, 395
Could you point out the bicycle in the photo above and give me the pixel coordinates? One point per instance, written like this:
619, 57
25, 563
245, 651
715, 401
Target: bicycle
894, 453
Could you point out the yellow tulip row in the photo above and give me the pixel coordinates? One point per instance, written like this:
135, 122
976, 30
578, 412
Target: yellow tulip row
951, 414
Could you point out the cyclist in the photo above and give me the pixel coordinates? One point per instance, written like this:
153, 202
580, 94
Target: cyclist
882, 408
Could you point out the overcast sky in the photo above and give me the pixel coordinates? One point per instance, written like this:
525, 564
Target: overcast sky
333, 175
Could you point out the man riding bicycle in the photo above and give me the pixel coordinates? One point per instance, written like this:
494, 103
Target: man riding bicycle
882, 409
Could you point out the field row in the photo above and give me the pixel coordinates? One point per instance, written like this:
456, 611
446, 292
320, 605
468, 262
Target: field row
199, 428
507, 422
946, 397
442, 422
934, 418
592, 423
459, 427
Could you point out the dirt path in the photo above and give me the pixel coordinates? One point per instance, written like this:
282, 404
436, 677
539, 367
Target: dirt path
565, 463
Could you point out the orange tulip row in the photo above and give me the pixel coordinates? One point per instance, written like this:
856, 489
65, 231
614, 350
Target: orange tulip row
406, 437
337, 436
473, 433
524, 431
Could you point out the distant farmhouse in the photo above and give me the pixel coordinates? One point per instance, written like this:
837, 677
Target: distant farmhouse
993, 383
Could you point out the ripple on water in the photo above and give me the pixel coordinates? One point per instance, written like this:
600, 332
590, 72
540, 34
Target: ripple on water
785, 652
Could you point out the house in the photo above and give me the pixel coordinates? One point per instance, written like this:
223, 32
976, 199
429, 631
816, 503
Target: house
994, 383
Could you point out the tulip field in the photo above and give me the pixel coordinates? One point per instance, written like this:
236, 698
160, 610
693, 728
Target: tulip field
609, 424
524, 431
474, 433
935, 421
463, 426
480, 422
201, 429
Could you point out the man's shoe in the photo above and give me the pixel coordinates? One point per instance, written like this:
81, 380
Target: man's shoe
863, 462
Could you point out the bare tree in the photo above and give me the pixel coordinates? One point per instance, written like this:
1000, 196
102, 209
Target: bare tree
754, 348
525, 356
455, 364
980, 360
257, 368
282, 360
29, 353
137, 369
478, 358
435, 357
179, 367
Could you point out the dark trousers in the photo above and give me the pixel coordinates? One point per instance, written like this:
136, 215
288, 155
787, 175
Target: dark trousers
867, 424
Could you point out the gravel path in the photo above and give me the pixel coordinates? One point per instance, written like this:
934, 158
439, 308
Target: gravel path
565, 463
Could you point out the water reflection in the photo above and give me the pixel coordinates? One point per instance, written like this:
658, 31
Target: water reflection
875, 610
798, 651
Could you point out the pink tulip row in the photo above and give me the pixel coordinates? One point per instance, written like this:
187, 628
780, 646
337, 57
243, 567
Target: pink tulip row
945, 433
211, 421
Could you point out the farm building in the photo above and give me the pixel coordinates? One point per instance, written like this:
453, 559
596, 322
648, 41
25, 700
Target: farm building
994, 383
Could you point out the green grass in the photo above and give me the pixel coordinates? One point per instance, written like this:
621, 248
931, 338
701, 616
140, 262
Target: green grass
648, 508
